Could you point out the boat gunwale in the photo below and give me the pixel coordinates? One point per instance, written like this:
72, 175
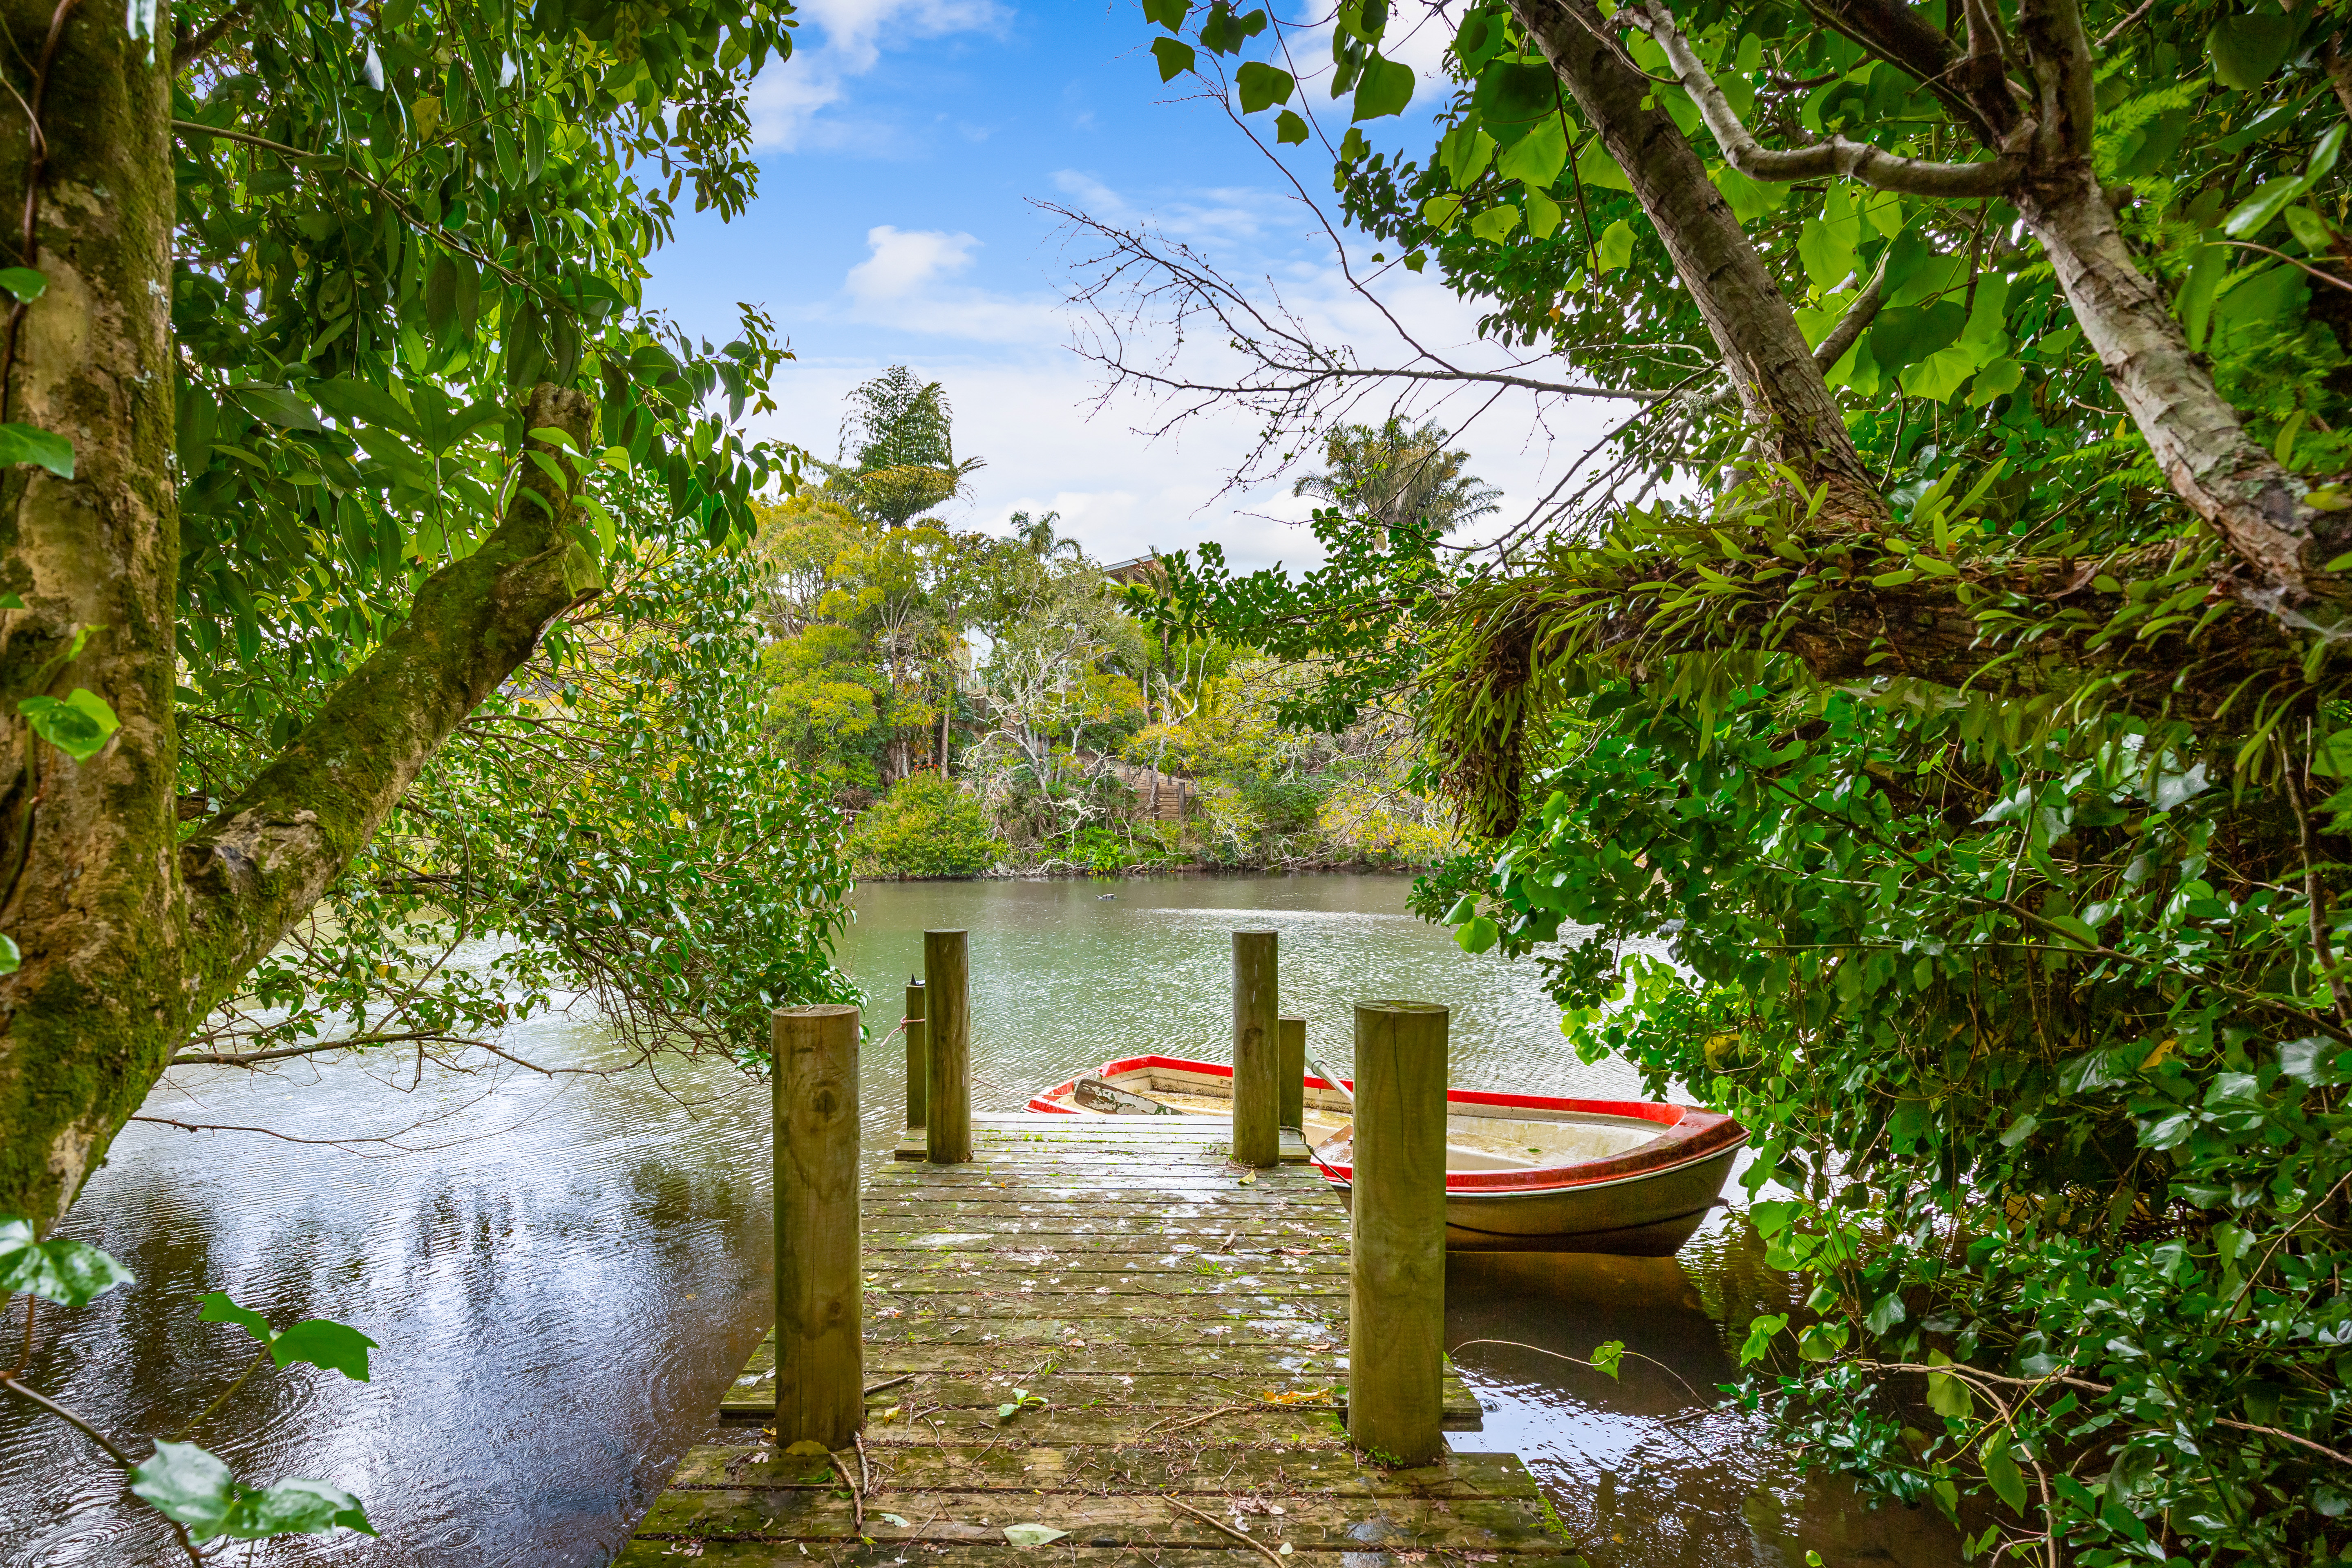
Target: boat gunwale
1688, 1135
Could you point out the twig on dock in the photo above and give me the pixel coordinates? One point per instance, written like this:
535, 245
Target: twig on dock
865, 1476
1177, 1424
1213, 1523
857, 1494
874, 1388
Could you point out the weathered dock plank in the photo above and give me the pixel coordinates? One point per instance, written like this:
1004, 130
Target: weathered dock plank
1148, 1355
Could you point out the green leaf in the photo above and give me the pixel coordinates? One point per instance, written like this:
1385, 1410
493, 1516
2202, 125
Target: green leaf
188, 1486
11, 959
1465, 152
1543, 212
2314, 1060
2194, 303
2001, 377
69, 1273
1760, 1333
1440, 212
1607, 1355
26, 283
1616, 245
295, 1508
2310, 229
78, 724
1511, 99
1941, 373
1385, 89
1598, 171
329, 1346
1032, 1534
1168, 14
2255, 213
1905, 334
2323, 156
24, 444
1224, 33
1289, 129
1887, 1311
1536, 158
1262, 86
192, 1487
1826, 243
218, 1309
1948, 1395
2001, 1468
1476, 935
1465, 906
1496, 224
1750, 199
1175, 58
2247, 50
1823, 1342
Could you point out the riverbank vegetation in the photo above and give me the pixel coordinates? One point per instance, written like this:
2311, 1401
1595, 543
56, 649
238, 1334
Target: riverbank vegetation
1944, 658
983, 702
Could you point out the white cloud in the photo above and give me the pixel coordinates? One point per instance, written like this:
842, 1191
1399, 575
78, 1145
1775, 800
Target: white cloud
904, 262
788, 97
903, 284
1089, 193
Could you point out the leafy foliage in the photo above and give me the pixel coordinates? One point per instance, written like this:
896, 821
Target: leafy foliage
927, 827
1986, 819
2038, 1039
383, 233
618, 818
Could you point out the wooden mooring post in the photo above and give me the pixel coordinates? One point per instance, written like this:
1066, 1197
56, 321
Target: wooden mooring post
1396, 1287
820, 1339
947, 999
1290, 1072
1257, 1131
918, 1060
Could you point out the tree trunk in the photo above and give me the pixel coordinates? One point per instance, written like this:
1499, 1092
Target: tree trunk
1781, 389
86, 847
2196, 435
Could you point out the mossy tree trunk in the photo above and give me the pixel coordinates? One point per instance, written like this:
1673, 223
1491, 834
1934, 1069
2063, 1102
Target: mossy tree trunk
128, 937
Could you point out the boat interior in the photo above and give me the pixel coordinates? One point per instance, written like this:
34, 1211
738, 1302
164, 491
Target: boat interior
1478, 1137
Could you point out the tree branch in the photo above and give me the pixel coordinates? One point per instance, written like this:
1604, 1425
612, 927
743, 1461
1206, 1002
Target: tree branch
270, 853
1837, 156
1781, 389
1857, 318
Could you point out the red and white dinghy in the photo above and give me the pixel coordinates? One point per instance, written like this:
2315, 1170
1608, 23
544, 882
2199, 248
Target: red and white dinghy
1524, 1173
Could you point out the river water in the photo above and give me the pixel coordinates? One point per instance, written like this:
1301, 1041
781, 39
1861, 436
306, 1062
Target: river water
564, 1274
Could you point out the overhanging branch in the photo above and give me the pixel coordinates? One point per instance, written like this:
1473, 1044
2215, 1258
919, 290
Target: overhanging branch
1836, 157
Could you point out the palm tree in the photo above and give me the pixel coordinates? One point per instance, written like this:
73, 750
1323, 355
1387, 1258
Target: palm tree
1394, 476
1037, 533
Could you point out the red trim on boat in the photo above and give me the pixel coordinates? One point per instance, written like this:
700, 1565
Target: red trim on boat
1687, 1134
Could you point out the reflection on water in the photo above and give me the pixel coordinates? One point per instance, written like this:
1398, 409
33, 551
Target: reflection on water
567, 1273
1638, 1468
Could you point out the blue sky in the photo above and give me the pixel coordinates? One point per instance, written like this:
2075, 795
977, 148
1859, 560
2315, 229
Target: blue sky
902, 148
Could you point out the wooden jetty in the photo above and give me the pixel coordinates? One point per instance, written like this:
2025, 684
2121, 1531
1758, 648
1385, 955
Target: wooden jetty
1103, 1341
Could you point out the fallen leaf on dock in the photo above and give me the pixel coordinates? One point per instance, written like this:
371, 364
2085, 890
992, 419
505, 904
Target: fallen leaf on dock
1032, 1534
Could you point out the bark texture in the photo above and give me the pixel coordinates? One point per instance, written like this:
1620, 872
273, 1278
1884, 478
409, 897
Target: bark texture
1781, 390
128, 939
86, 847
2040, 131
